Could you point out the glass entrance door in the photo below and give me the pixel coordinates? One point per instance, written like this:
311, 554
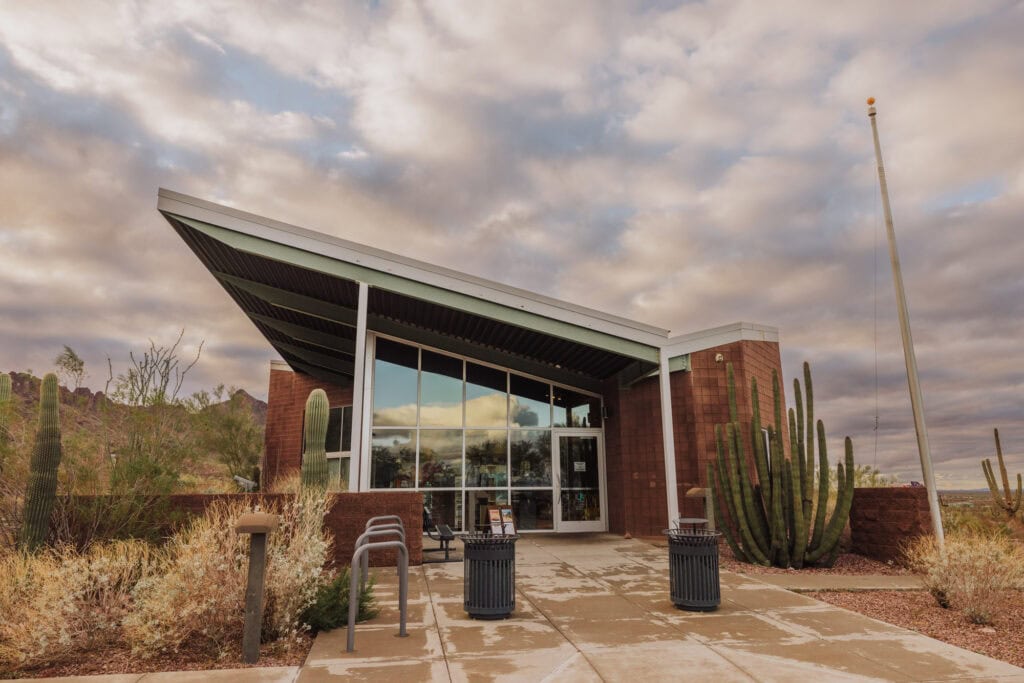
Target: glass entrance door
579, 487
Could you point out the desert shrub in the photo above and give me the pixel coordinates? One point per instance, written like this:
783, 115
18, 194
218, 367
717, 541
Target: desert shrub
971, 573
296, 555
198, 597
971, 520
330, 609
56, 603
289, 483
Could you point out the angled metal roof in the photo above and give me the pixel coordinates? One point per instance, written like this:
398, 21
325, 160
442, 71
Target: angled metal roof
300, 289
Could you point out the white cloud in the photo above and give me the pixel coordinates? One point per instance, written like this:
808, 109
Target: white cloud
687, 166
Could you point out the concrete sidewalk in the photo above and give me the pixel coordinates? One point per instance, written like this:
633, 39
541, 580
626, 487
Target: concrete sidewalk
596, 608
808, 583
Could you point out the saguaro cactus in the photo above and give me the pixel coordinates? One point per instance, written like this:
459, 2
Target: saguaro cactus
42, 481
775, 521
1008, 502
314, 457
5, 415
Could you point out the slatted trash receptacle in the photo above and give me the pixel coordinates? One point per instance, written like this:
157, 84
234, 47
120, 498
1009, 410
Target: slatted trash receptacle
693, 569
489, 563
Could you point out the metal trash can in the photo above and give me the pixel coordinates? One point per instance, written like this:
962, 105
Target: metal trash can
693, 569
489, 588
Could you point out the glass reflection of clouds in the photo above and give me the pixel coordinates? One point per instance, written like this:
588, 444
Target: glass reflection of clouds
530, 404
440, 390
486, 396
394, 384
442, 415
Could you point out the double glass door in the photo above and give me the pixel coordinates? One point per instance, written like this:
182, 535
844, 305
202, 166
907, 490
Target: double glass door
580, 482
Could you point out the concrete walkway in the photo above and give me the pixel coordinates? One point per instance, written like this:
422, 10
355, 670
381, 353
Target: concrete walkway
808, 583
596, 608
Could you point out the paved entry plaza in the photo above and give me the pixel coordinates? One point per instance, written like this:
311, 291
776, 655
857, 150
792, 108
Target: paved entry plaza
596, 608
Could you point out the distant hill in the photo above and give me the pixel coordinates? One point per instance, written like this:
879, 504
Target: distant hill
82, 413
25, 388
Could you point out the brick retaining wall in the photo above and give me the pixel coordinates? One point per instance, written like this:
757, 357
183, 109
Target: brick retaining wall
882, 519
345, 519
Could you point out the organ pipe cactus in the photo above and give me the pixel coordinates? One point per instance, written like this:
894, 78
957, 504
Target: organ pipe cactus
1008, 502
775, 520
42, 481
314, 456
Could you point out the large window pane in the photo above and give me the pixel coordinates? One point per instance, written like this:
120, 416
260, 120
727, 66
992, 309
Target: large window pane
339, 430
530, 405
486, 457
445, 507
486, 396
576, 410
394, 384
440, 458
440, 391
533, 510
477, 503
393, 459
531, 457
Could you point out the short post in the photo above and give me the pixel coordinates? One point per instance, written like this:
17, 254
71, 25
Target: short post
258, 525
709, 510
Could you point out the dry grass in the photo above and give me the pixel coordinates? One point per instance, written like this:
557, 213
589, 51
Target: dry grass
185, 599
198, 598
972, 573
56, 604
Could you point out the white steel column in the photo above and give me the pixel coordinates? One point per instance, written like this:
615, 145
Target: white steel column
668, 439
355, 466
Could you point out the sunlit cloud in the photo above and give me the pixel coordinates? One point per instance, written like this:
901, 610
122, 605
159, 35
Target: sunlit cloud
687, 165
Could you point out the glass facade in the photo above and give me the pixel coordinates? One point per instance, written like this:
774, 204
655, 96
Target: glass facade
470, 436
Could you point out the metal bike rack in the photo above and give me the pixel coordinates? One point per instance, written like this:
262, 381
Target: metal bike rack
374, 521
371, 532
403, 582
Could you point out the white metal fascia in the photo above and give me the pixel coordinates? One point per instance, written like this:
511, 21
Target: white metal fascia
717, 336
411, 269
277, 364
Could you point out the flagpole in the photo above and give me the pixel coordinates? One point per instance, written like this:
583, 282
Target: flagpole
916, 400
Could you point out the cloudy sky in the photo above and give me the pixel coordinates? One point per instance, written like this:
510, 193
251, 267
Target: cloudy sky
684, 164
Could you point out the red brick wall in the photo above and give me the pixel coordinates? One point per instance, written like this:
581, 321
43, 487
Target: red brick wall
882, 519
633, 441
286, 403
634, 459
345, 519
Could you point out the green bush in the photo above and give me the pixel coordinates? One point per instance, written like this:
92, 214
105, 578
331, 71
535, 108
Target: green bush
331, 607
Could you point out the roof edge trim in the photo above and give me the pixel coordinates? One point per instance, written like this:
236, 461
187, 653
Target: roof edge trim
717, 336
420, 271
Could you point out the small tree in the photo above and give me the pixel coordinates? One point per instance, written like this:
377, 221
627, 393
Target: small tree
229, 430
70, 367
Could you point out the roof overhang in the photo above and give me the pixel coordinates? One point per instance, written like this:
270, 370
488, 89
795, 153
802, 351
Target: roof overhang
300, 288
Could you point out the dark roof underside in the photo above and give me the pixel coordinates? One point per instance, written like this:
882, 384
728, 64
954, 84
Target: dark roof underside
308, 317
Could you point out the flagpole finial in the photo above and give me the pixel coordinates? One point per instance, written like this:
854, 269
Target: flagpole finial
871, 100
871, 106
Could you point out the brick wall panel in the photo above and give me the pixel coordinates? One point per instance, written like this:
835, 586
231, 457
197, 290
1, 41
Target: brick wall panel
882, 519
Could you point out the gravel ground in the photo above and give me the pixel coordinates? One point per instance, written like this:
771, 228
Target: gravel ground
916, 610
118, 659
846, 563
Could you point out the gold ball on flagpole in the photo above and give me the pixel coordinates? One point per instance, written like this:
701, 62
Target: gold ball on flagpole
871, 100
